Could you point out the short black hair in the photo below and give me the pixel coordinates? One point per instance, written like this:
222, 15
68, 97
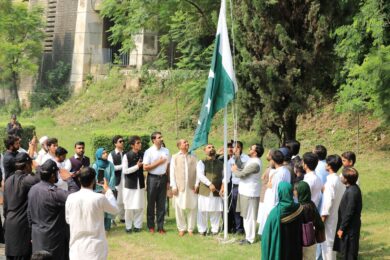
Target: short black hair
298, 166
311, 160
350, 156
154, 135
87, 176
10, 141
116, 138
321, 152
294, 146
259, 150
42, 255
133, 139
61, 151
79, 143
47, 169
51, 141
277, 156
334, 161
286, 153
351, 175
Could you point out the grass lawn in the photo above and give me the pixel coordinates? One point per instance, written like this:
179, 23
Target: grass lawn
374, 182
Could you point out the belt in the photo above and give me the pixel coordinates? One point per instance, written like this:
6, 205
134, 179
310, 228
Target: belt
235, 185
156, 176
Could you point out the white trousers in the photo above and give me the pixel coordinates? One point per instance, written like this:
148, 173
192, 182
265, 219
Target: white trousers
250, 222
134, 217
185, 218
309, 253
119, 200
327, 251
203, 218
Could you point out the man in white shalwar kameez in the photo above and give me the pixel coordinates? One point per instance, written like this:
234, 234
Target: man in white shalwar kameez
133, 185
84, 212
333, 193
183, 180
210, 206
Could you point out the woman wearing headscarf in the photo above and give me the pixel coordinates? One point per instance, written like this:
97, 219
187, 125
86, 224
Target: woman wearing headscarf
106, 169
310, 214
282, 235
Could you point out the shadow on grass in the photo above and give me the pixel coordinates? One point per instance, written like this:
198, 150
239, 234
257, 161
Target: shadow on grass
370, 250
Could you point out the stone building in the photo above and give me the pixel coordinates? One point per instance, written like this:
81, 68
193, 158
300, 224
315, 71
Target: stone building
77, 35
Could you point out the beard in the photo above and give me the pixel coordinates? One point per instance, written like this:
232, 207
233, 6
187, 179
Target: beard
212, 152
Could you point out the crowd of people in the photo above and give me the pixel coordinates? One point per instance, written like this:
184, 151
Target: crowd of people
61, 208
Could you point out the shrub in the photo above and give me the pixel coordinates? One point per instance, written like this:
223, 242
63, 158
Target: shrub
27, 134
105, 140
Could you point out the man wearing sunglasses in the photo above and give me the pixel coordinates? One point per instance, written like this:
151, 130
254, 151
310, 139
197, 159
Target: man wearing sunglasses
115, 157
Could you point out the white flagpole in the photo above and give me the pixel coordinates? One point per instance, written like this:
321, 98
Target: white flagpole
225, 194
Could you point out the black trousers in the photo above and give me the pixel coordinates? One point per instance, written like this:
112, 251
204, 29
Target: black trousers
238, 221
156, 196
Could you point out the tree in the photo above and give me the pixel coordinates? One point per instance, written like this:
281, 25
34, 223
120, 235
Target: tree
363, 46
187, 26
21, 36
285, 60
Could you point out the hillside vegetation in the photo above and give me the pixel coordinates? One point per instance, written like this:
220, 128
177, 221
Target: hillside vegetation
170, 103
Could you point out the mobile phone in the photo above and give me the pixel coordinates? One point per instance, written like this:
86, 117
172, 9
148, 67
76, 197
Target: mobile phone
101, 176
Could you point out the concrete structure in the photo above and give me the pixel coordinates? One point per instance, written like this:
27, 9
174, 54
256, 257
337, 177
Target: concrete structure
76, 34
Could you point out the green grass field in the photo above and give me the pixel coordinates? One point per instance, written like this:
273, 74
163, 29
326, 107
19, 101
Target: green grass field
374, 182
104, 108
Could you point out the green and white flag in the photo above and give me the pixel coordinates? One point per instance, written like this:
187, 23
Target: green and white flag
221, 86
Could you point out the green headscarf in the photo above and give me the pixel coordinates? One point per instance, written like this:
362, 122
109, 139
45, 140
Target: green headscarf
100, 162
304, 193
271, 238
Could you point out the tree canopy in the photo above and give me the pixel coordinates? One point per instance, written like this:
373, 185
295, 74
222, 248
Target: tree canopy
21, 36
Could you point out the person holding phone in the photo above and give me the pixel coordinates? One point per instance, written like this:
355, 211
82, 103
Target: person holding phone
84, 213
104, 169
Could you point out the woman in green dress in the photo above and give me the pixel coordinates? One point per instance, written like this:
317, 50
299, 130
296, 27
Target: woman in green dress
106, 169
282, 235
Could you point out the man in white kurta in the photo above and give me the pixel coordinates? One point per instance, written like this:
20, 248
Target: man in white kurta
310, 161
249, 191
182, 180
210, 206
84, 212
333, 193
133, 185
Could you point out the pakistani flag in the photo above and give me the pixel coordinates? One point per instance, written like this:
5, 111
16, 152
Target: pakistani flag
221, 84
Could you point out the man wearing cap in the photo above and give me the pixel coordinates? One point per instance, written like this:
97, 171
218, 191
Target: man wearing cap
17, 231
46, 211
14, 127
210, 174
43, 151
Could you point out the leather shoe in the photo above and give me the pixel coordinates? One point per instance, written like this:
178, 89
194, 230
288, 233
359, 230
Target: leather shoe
245, 242
128, 230
136, 230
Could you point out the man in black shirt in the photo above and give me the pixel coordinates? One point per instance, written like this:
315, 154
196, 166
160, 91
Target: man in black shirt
12, 143
348, 225
46, 211
14, 127
17, 231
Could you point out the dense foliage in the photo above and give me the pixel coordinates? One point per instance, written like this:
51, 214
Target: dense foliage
21, 36
364, 47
